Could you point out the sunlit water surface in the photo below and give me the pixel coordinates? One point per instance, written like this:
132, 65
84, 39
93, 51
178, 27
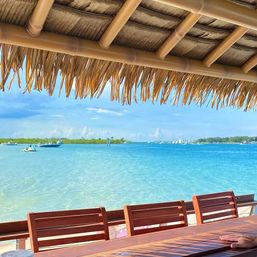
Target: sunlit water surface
81, 176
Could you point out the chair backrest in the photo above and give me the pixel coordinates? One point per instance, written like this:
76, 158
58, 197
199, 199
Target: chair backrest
215, 207
146, 218
48, 230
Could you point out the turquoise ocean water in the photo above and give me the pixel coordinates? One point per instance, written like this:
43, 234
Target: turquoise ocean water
81, 176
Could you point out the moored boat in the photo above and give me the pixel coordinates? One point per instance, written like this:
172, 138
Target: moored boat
29, 149
10, 143
50, 144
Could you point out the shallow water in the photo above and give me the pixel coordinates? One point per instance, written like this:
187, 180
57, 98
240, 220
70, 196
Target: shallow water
81, 176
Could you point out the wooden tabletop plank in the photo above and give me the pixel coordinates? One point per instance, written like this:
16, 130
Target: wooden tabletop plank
237, 253
189, 241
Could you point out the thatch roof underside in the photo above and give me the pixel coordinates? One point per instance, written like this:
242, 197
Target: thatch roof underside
148, 27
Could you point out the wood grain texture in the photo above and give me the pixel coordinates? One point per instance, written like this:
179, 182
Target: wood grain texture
213, 207
19, 229
60, 228
202, 240
155, 217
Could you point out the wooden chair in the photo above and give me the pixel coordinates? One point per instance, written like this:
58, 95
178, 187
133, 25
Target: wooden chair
146, 218
47, 230
215, 207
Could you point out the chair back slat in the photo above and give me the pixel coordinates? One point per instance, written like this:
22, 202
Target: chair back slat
70, 240
71, 220
53, 229
156, 205
146, 218
156, 229
70, 230
215, 207
67, 213
226, 200
156, 212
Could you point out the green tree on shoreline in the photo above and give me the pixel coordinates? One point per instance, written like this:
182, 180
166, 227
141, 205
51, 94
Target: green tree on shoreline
226, 140
64, 140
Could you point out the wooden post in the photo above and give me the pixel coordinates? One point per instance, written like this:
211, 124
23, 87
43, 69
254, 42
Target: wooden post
129, 220
253, 209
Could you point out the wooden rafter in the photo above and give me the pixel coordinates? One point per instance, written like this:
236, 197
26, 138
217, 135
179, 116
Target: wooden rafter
224, 45
251, 63
118, 22
15, 35
38, 17
178, 34
219, 9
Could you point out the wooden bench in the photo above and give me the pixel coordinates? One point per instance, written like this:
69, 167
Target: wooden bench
18, 230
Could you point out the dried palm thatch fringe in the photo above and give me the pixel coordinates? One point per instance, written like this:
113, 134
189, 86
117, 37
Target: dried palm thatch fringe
88, 77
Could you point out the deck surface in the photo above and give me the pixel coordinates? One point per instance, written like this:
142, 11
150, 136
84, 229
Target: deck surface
202, 240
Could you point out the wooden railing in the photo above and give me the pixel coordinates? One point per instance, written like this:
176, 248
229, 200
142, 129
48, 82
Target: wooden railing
18, 230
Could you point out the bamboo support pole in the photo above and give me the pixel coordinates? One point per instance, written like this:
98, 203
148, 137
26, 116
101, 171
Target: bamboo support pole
224, 46
250, 64
15, 35
118, 22
178, 34
38, 17
219, 9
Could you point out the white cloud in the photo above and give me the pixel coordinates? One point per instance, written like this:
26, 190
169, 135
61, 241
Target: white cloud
65, 132
56, 115
87, 132
56, 133
94, 118
157, 134
104, 111
176, 114
69, 133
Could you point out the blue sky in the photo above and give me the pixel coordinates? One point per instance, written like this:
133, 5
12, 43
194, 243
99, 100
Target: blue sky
38, 115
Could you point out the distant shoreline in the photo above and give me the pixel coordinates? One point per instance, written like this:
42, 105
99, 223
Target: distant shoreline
208, 140
34, 141
227, 140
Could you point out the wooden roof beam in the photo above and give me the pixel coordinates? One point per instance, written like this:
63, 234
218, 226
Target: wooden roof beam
251, 63
38, 17
15, 35
178, 34
219, 9
118, 22
224, 46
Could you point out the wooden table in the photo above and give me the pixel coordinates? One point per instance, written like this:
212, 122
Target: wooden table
202, 240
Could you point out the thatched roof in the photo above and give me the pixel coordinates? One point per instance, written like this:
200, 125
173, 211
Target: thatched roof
231, 81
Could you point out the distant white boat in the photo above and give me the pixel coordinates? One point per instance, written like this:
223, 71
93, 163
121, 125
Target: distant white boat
50, 144
10, 143
29, 149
